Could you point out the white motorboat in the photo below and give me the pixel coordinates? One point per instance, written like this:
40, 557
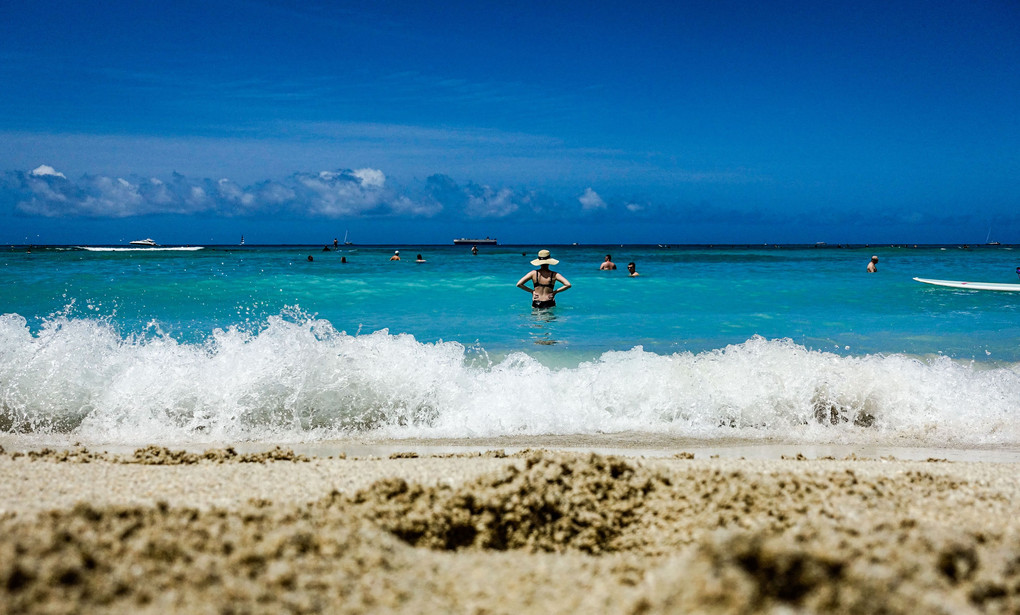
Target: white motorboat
144, 242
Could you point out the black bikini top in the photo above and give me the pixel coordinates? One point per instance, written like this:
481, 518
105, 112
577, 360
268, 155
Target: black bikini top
551, 283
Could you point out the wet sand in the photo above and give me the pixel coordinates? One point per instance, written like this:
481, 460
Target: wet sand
533, 531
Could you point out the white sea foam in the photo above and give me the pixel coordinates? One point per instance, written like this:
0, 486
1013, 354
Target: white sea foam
300, 379
146, 249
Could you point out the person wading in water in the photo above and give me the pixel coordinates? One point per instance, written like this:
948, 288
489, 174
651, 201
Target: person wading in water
543, 290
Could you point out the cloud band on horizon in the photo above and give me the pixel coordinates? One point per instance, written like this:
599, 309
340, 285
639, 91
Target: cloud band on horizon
46, 192
367, 193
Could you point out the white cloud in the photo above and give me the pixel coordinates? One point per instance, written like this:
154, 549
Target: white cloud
44, 170
370, 178
231, 192
339, 194
114, 198
406, 206
489, 203
274, 193
591, 200
197, 195
157, 193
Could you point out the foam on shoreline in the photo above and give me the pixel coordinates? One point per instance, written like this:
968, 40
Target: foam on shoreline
296, 378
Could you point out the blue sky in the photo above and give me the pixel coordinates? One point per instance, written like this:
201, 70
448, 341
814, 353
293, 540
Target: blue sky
417, 122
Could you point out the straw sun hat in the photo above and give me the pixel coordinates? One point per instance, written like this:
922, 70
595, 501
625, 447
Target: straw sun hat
544, 259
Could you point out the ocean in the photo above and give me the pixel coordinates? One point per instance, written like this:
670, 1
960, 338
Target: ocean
780, 345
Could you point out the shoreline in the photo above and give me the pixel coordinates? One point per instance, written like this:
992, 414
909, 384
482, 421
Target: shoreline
160, 530
630, 444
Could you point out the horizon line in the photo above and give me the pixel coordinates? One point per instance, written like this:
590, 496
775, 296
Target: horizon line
664, 245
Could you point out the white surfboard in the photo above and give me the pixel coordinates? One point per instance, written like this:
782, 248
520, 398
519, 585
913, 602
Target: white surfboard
972, 285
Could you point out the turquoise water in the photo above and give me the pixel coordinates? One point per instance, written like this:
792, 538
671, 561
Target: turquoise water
685, 299
258, 342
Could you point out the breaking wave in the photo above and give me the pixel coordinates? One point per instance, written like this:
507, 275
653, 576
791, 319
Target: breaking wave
298, 378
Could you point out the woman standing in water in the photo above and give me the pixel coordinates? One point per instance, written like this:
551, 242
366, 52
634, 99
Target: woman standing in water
543, 279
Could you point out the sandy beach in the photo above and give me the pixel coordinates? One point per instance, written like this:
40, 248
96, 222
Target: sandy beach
539, 531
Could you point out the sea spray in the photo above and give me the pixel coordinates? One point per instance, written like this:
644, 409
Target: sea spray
297, 377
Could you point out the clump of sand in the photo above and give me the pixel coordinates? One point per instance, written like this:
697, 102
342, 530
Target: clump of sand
555, 503
158, 455
161, 456
160, 557
892, 571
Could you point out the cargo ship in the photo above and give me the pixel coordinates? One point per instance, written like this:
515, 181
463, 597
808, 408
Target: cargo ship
476, 242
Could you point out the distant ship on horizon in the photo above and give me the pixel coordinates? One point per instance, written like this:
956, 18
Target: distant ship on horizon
479, 242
